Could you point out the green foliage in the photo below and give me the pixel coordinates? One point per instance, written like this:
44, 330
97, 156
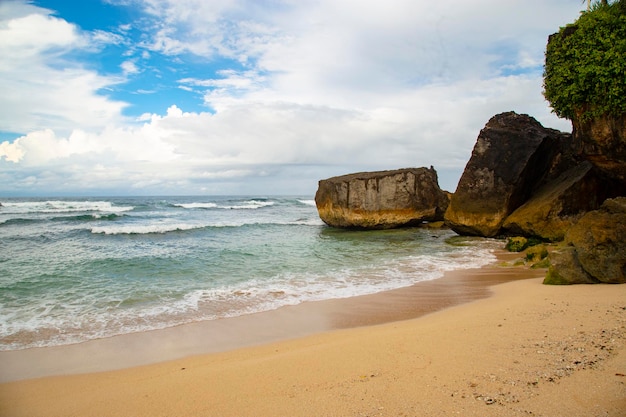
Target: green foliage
585, 68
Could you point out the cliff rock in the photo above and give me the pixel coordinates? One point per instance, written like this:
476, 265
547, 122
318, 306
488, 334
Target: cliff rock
596, 248
602, 141
560, 203
381, 200
513, 153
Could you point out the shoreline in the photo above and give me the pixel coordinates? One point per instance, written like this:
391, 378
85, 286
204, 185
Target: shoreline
288, 322
529, 349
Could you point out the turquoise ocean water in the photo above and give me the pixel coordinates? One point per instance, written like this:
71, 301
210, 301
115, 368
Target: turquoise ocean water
74, 269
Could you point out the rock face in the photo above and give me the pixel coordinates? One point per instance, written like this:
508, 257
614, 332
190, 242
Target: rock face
602, 141
596, 248
560, 203
512, 155
524, 179
381, 200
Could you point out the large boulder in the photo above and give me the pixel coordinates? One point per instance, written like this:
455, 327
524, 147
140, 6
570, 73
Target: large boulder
596, 248
560, 203
381, 200
513, 154
565, 269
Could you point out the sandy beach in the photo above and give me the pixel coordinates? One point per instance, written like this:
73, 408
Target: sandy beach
467, 344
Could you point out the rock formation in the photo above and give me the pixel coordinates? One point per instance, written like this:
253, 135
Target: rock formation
524, 179
595, 250
381, 200
513, 154
602, 141
560, 203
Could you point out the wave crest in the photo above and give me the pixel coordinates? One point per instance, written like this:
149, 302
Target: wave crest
61, 206
239, 205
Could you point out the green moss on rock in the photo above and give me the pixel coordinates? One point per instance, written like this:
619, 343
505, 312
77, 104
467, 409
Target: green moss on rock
554, 278
521, 243
544, 263
536, 253
516, 244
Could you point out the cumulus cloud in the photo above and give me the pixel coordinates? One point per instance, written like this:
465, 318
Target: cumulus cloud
310, 89
12, 152
41, 89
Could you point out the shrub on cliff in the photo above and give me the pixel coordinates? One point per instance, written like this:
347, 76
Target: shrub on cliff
585, 67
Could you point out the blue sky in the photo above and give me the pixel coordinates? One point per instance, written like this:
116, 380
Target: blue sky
162, 97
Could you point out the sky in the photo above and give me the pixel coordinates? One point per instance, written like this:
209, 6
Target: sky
258, 97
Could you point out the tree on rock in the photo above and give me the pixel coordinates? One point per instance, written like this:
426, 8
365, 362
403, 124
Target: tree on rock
585, 67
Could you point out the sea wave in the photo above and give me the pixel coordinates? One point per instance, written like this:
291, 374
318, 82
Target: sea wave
232, 300
196, 205
307, 202
61, 206
294, 288
162, 228
238, 205
134, 229
17, 221
190, 259
68, 218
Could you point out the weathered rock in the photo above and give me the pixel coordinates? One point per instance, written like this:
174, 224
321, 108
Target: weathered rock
513, 153
602, 141
565, 269
596, 245
381, 200
559, 204
600, 241
516, 244
536, 254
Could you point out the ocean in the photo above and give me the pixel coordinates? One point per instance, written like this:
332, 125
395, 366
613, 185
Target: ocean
75, 269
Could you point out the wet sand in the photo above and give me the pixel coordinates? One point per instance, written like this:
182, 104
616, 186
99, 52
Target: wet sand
439, 348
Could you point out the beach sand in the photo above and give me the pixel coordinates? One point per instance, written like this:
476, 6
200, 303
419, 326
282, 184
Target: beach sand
442, 348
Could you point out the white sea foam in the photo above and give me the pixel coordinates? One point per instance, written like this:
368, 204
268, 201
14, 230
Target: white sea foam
61, 206
294, 288
247, 297
241, 205
196, 205
167, 227
247, 205
141, 229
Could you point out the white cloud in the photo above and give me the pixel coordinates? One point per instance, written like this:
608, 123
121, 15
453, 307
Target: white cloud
12, 152
101, 37
27, 36
318, 88
129, 67
40, 88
